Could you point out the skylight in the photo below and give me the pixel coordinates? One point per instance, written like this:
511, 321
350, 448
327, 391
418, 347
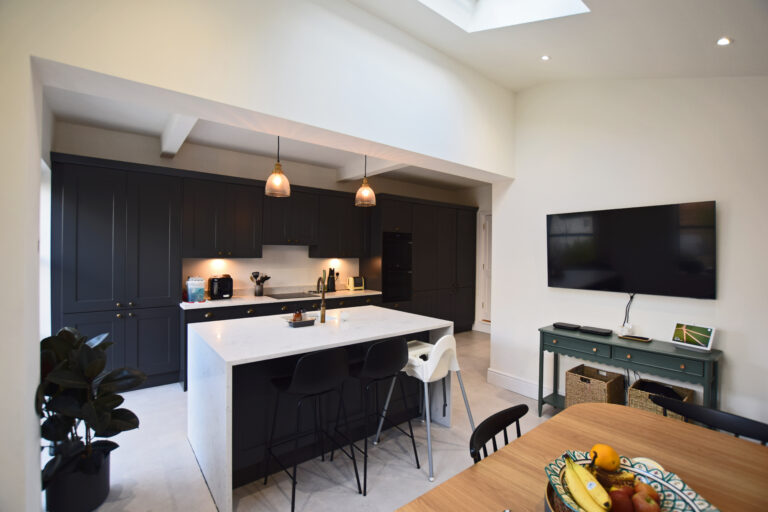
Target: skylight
479, 15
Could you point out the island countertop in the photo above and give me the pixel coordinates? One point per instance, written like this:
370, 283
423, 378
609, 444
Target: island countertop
247, 340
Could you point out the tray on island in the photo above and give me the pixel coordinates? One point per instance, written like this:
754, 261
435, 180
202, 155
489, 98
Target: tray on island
306, 322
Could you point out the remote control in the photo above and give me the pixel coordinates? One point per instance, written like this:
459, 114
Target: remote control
635, 338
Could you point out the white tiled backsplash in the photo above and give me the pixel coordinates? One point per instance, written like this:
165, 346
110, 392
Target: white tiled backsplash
290, 268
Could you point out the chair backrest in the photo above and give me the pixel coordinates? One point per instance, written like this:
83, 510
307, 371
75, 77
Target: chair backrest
320, 371
385, 359
441, 360
495, 424
736, 425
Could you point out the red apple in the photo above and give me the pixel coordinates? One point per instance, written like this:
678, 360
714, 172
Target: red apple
620, 501
650, 491
644, 503
628, 490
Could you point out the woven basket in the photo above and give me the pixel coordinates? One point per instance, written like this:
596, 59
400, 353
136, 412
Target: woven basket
640, 399
587, 384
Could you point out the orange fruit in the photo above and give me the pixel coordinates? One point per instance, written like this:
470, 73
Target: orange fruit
605, 457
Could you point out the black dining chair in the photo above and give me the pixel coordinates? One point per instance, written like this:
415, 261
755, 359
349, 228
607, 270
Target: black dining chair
316, 375
383, 363
492, 425
739, 426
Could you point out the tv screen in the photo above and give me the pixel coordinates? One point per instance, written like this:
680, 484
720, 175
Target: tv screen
654, 250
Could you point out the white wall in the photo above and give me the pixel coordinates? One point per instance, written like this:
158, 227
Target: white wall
130, 147
288, 267
594, 145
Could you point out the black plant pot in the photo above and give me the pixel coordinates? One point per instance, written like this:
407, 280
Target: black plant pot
82, 490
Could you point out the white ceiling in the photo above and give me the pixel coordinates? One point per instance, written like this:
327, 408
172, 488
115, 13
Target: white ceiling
617, 39
129, 117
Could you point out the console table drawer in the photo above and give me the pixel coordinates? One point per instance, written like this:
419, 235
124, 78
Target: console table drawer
577, 346
674, 364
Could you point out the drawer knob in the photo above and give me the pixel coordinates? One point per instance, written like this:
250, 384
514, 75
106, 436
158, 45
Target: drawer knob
131, 304
250, 311
594, 349
208, 315
314, 306
554, 342
130, 315
629, 356
229, 253
220, 253
367, 301
682, 367
119, 315
397, 305
341, 303
118, 304
284, 308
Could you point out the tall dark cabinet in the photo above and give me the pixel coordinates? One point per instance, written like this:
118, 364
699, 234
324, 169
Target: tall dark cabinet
116, 260
443, 256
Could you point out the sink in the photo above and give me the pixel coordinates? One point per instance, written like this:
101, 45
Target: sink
294, 295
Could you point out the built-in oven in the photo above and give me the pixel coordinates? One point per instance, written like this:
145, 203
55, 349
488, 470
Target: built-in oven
396, 267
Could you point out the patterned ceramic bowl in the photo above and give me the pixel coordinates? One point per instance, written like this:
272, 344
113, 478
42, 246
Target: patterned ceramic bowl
675, 494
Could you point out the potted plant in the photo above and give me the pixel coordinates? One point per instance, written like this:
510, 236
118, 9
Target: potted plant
78, 400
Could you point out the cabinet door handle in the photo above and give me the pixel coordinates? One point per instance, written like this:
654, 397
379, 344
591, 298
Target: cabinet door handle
229, 253
682, 367
314, 306
119, 315
208, 315
250, 311
119, 304
284, 308
397, 305
131, 304
629, 356
341, 303
220, 253
594, 349
367, 301
130, 315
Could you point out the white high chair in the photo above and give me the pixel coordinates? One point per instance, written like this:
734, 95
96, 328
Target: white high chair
441, 359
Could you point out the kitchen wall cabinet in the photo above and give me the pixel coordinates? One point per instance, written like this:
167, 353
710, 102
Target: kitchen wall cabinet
222, 219
291, 220
341, 228
396, 214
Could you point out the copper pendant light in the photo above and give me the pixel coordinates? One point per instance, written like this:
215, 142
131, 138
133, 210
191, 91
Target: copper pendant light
277, 183
365, 196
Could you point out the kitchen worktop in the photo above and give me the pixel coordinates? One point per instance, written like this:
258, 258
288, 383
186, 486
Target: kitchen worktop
246, 300
246, 340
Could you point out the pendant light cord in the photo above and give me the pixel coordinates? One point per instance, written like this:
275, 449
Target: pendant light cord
365, 168
278, 148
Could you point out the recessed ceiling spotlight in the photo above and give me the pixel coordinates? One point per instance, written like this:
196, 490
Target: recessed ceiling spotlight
545, 57
723, 41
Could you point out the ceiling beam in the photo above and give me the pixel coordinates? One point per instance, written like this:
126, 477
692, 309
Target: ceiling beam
174, 134
354, 170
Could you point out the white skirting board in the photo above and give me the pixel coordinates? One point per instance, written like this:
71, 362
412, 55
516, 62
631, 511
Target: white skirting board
482, 327
522, 386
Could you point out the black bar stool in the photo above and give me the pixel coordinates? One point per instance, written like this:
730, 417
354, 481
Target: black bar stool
316, 375
383, 362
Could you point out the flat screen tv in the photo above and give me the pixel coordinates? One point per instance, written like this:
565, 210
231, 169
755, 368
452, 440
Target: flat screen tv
654, 250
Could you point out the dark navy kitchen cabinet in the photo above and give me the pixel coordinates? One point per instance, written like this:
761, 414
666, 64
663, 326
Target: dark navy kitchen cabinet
116, 259
88, 237
222, 219
396, 215
425, 248
341, 227
466, 248
291, 220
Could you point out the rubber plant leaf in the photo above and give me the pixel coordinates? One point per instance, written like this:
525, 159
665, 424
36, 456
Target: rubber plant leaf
121, 379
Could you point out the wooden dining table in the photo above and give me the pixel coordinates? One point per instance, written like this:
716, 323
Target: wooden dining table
731, 473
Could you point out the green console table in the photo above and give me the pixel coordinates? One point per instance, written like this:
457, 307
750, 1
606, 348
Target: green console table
657, 358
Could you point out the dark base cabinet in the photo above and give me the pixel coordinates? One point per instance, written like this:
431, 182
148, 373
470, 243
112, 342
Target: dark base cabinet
147, 339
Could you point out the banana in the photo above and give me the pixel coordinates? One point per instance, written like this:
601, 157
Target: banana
593, 487
609, 479
577, 489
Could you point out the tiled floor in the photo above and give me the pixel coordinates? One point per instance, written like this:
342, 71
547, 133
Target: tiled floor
155, 468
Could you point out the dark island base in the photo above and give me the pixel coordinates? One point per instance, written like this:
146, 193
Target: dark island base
254, 399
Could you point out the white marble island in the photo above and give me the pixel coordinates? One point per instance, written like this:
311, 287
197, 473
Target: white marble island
215, 349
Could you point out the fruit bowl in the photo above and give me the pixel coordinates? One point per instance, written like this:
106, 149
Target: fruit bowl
675, 494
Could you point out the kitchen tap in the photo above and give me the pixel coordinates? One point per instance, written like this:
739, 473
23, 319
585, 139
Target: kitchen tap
320, 284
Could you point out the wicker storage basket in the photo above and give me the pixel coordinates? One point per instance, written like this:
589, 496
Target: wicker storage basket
587, 384
639, 399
